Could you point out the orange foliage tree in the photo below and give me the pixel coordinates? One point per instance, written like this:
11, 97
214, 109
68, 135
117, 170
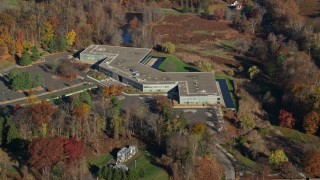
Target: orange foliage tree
113, 90
208, 168
313, 164
82, 111
311, 122
199, 129
19, 41
42, 111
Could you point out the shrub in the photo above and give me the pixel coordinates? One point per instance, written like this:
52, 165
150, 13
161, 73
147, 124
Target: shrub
277, 157
169, 47
25, 59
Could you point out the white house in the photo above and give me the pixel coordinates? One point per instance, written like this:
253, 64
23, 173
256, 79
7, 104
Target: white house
125, 153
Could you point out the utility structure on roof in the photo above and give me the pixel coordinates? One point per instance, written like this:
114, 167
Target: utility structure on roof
132, 66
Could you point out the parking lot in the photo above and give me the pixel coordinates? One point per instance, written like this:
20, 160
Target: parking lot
192, 115
47, 80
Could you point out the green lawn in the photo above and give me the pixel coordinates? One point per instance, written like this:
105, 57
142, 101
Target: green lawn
244, 161
152, 172
173, 64
169, 11
299, 136
99, 160
12, 3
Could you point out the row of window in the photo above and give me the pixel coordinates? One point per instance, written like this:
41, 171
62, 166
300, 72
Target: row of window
157, 87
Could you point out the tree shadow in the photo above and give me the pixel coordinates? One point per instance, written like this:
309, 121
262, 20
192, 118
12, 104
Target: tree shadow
77, 54
17, 150
293, 149
5, 81
114, 152
94, 169
17, 58
153, 161
46, 68
225, 47
191, 69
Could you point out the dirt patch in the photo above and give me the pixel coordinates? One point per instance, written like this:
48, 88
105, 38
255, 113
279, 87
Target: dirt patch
192, 29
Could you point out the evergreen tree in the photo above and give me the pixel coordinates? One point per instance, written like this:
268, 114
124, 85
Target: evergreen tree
35, 53
132, 174
86, 98
11, 131
25, 59
52, 46
63, 44
116, 106
105, 172
36, 82
117, 175
109, 174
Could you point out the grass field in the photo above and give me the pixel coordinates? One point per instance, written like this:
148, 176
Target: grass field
299, 136
100, 160
220, 49
173, 64
244, 161
169, 11
10, 3
152, 172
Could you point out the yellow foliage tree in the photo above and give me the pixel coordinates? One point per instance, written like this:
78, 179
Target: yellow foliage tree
71, 37
47, 33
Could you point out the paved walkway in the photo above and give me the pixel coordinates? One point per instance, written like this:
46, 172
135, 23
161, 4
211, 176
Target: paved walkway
226, 163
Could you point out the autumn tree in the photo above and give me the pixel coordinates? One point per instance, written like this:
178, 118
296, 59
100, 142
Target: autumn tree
277, 157
311, 122
160, 102
206, 67
47, 34
70, 37
253, 71
168, 47
208, 168
81, 111
312, 165
41, 112
73, 150
46, 152
19, 41
112, 90
286, 119
247, 122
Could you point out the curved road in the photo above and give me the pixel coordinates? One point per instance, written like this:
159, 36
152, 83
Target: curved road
227, 165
